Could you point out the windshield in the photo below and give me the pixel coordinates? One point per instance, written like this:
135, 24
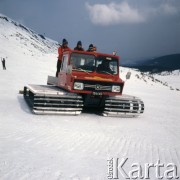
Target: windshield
106, 65
82, 62
88, 63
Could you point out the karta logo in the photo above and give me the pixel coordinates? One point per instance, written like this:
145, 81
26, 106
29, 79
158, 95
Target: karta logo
116, 170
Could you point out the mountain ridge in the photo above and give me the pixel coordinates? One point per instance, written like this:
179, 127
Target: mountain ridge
24, 38
158, 64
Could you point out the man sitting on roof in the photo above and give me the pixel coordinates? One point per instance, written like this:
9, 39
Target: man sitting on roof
79, 46
92, 48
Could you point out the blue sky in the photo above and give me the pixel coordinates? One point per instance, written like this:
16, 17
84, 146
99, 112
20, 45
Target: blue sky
136, 29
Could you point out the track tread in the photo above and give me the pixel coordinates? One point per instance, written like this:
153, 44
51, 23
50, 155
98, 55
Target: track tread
123, 106
49, 101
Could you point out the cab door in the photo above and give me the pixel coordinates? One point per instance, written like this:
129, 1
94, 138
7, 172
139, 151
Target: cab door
63, 71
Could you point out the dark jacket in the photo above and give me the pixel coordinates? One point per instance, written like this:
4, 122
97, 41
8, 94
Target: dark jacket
78, 49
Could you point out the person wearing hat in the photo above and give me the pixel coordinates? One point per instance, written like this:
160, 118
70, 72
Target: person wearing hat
61, 49
79, 46
91, 48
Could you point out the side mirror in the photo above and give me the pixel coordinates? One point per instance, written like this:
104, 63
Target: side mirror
128, 75
69, 69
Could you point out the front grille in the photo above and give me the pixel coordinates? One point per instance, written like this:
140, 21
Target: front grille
99, 86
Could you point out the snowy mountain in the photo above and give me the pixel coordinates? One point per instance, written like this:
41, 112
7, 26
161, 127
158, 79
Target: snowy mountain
53, 147
22, 46
16, 36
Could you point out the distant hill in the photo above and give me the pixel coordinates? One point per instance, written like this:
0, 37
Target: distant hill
159, 64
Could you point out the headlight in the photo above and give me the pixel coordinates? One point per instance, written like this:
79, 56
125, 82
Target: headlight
116, 88
78, 86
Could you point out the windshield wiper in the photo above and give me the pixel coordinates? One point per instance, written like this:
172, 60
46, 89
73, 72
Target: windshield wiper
80, 69
106, 72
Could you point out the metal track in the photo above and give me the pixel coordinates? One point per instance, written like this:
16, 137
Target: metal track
45, 99
123, 106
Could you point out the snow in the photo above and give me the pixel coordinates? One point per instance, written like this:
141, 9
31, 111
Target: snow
77, 147
172, 78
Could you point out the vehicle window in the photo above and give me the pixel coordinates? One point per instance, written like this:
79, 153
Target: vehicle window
82, 62
106, 66
88, 63
64, 63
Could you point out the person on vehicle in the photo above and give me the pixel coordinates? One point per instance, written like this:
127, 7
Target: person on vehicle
91, 48
79, 46
61, 49
3, 63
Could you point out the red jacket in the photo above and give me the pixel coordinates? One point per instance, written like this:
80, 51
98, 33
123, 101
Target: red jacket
60, 52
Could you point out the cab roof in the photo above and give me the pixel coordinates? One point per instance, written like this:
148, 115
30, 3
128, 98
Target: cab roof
92, 53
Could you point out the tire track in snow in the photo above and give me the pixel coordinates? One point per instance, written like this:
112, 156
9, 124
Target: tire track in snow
99, 144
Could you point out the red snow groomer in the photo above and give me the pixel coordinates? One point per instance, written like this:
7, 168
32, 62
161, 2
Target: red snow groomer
86, 79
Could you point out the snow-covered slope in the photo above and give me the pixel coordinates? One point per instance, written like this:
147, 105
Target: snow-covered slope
65, 147
23, 47
170, 79
17, 37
